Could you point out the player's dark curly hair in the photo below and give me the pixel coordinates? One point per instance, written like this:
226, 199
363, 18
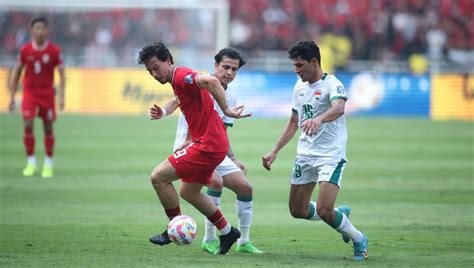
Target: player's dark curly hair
306, 50
157, 49
39, 19
229, 53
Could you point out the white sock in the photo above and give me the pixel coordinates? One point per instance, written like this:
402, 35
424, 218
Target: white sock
31, 160
209, 228
347, 228
225, 230
48, 161
244, 212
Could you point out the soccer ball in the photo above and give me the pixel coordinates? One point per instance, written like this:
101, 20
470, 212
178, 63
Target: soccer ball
182, 230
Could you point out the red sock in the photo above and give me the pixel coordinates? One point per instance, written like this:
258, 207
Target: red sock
218, 219
172, 212
49, 144
29, 141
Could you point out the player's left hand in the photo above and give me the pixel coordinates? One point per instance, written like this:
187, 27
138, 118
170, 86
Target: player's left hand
156, 112
311, 126
236, 112
268, 159
241, 166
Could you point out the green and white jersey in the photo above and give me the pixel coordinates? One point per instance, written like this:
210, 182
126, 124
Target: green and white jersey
311, 100
231, 102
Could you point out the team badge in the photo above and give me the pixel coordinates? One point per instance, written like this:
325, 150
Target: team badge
188, 79
317, 94
340, 90
45, 58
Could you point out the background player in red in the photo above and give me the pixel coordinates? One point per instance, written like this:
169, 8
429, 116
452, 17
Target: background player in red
195, 163
39, 57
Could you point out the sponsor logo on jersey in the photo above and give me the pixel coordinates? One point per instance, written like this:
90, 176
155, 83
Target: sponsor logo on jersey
45, 58
188, 79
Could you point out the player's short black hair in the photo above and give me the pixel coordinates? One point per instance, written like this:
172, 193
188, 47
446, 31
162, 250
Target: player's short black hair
157, 49
39, 19
229, 53
306, 50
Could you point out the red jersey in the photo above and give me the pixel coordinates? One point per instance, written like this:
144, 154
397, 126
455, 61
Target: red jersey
205, 125
39, 65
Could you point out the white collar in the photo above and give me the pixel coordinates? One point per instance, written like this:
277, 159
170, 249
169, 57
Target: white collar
40, 48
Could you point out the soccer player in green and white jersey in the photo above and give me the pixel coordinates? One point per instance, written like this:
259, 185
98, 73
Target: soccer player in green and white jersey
318, 109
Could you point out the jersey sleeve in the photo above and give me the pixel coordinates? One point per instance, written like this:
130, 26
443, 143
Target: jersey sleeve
294, 102
337, 91
186, 79
22, 56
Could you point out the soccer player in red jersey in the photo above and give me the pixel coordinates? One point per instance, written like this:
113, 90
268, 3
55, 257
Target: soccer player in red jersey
39, 58
195, 163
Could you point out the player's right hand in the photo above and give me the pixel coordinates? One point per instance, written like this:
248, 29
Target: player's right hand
236, 112
156, 112
268, 159
11, 105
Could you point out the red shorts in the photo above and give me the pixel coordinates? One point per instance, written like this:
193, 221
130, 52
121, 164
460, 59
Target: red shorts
42, 105
195, 166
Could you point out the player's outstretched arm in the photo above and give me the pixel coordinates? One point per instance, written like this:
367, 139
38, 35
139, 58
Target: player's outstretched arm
288, 133
157, 112
217, 91
14, 85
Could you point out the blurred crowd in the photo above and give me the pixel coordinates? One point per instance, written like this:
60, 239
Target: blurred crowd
347, 29
357, 29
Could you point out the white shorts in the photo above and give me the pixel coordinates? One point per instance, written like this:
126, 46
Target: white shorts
311, 170
227, 166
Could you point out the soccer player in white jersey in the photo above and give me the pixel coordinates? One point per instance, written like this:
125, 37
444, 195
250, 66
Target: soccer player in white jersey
318, 109
231, 172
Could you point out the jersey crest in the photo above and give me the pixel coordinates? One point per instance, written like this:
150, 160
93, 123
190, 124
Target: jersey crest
340, 90
317, 94
45, 58
188, 79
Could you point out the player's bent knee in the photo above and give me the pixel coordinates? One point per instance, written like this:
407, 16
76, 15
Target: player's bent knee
28, 129
216, 184
324, 213
156, 177
241, 187
245, 190
298, 213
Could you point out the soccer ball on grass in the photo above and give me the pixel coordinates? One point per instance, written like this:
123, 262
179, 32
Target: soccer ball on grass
182, 230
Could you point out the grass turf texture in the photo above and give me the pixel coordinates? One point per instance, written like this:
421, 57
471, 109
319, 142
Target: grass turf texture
408, 181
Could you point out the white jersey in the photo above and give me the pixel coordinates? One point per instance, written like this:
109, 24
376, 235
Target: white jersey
311, 100
182, 128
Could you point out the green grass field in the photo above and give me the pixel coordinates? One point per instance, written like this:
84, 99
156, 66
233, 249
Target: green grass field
408, 181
